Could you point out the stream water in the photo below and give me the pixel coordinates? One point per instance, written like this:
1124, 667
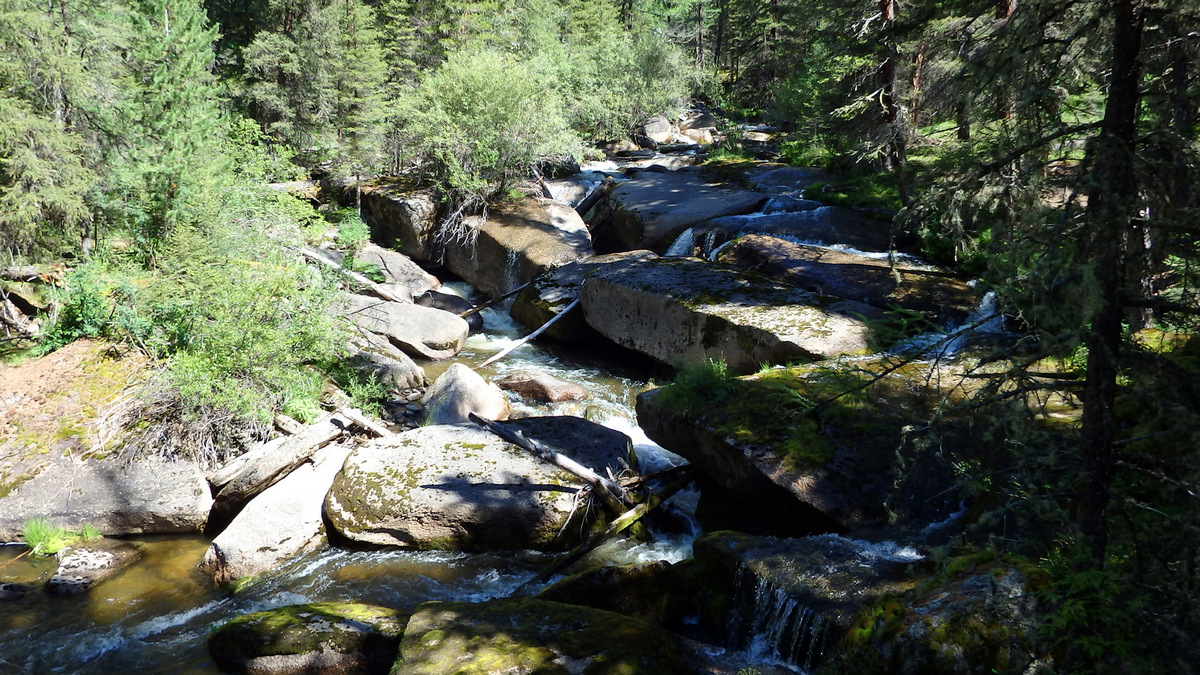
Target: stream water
154, 616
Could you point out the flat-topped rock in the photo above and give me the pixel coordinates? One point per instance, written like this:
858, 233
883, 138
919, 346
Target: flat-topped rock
649, 211
686, 311
422, 332
873, 280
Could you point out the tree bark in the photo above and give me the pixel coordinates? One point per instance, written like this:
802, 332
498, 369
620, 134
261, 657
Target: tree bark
1110, 213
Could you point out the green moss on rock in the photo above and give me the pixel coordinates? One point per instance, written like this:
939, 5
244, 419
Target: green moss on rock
318, 637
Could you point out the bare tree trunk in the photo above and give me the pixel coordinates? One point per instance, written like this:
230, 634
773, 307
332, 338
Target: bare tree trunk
1110, 211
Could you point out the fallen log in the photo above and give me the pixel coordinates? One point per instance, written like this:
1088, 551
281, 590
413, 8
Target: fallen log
364, 422
489, 303
505, 352
594, 196
619, 525
273, 467
615, 496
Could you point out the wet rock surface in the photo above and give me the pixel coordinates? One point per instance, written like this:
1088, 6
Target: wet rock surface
528, 635
82, 567
321, 638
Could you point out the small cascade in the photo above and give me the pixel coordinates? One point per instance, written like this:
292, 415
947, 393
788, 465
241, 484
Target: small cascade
683, 244
772, 626
985, 319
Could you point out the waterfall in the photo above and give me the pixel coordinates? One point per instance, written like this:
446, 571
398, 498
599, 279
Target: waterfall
769, 624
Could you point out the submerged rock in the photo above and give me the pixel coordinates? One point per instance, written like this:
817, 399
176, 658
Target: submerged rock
82, 567
532, 636
685, 311
517, 242
461, 487
318, 638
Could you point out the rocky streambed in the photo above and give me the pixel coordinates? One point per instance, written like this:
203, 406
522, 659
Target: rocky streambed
692, 267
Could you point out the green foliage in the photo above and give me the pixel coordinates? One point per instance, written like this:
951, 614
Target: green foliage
695, 388
45, 539
353, 233
85, 312
365, 390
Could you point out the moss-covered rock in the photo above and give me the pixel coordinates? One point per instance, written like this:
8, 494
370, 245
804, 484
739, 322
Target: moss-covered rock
462, 488
813, 449
325, 637
795, 596
532, 636
975, 619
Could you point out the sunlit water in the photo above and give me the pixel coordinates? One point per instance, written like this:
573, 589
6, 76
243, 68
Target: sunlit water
155, 616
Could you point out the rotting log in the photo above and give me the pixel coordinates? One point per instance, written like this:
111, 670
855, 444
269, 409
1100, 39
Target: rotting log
614, 496
273, 467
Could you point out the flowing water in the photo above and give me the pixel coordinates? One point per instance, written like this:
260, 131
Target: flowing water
154, 616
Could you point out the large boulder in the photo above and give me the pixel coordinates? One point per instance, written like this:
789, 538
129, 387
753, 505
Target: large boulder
929, 291
783, 467
573, 190
795, 597
374, 355
516, 242
460, 487
147, 495
422, 332
686, 311
277, 525
651, 210
402, 216
526, 635
553, 291
698, 120
398, 268
460, 391
324, 638
979, 616
657, 128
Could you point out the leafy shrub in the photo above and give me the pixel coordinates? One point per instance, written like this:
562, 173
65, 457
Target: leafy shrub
353, 233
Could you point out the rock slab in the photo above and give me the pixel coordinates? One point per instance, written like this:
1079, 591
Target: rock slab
684, 311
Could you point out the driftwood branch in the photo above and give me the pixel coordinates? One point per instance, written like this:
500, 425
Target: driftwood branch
369, 286
613, 494
620, 524
365, 422
489, 303
531, 336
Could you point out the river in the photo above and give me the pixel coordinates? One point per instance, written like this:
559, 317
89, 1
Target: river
154, 617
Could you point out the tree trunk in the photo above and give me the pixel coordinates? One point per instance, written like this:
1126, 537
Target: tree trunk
1110, 212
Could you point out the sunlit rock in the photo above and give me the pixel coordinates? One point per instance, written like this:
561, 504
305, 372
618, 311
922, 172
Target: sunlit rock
460, 391
321, 638
517, 242
685, 311
462, 488
532, 636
